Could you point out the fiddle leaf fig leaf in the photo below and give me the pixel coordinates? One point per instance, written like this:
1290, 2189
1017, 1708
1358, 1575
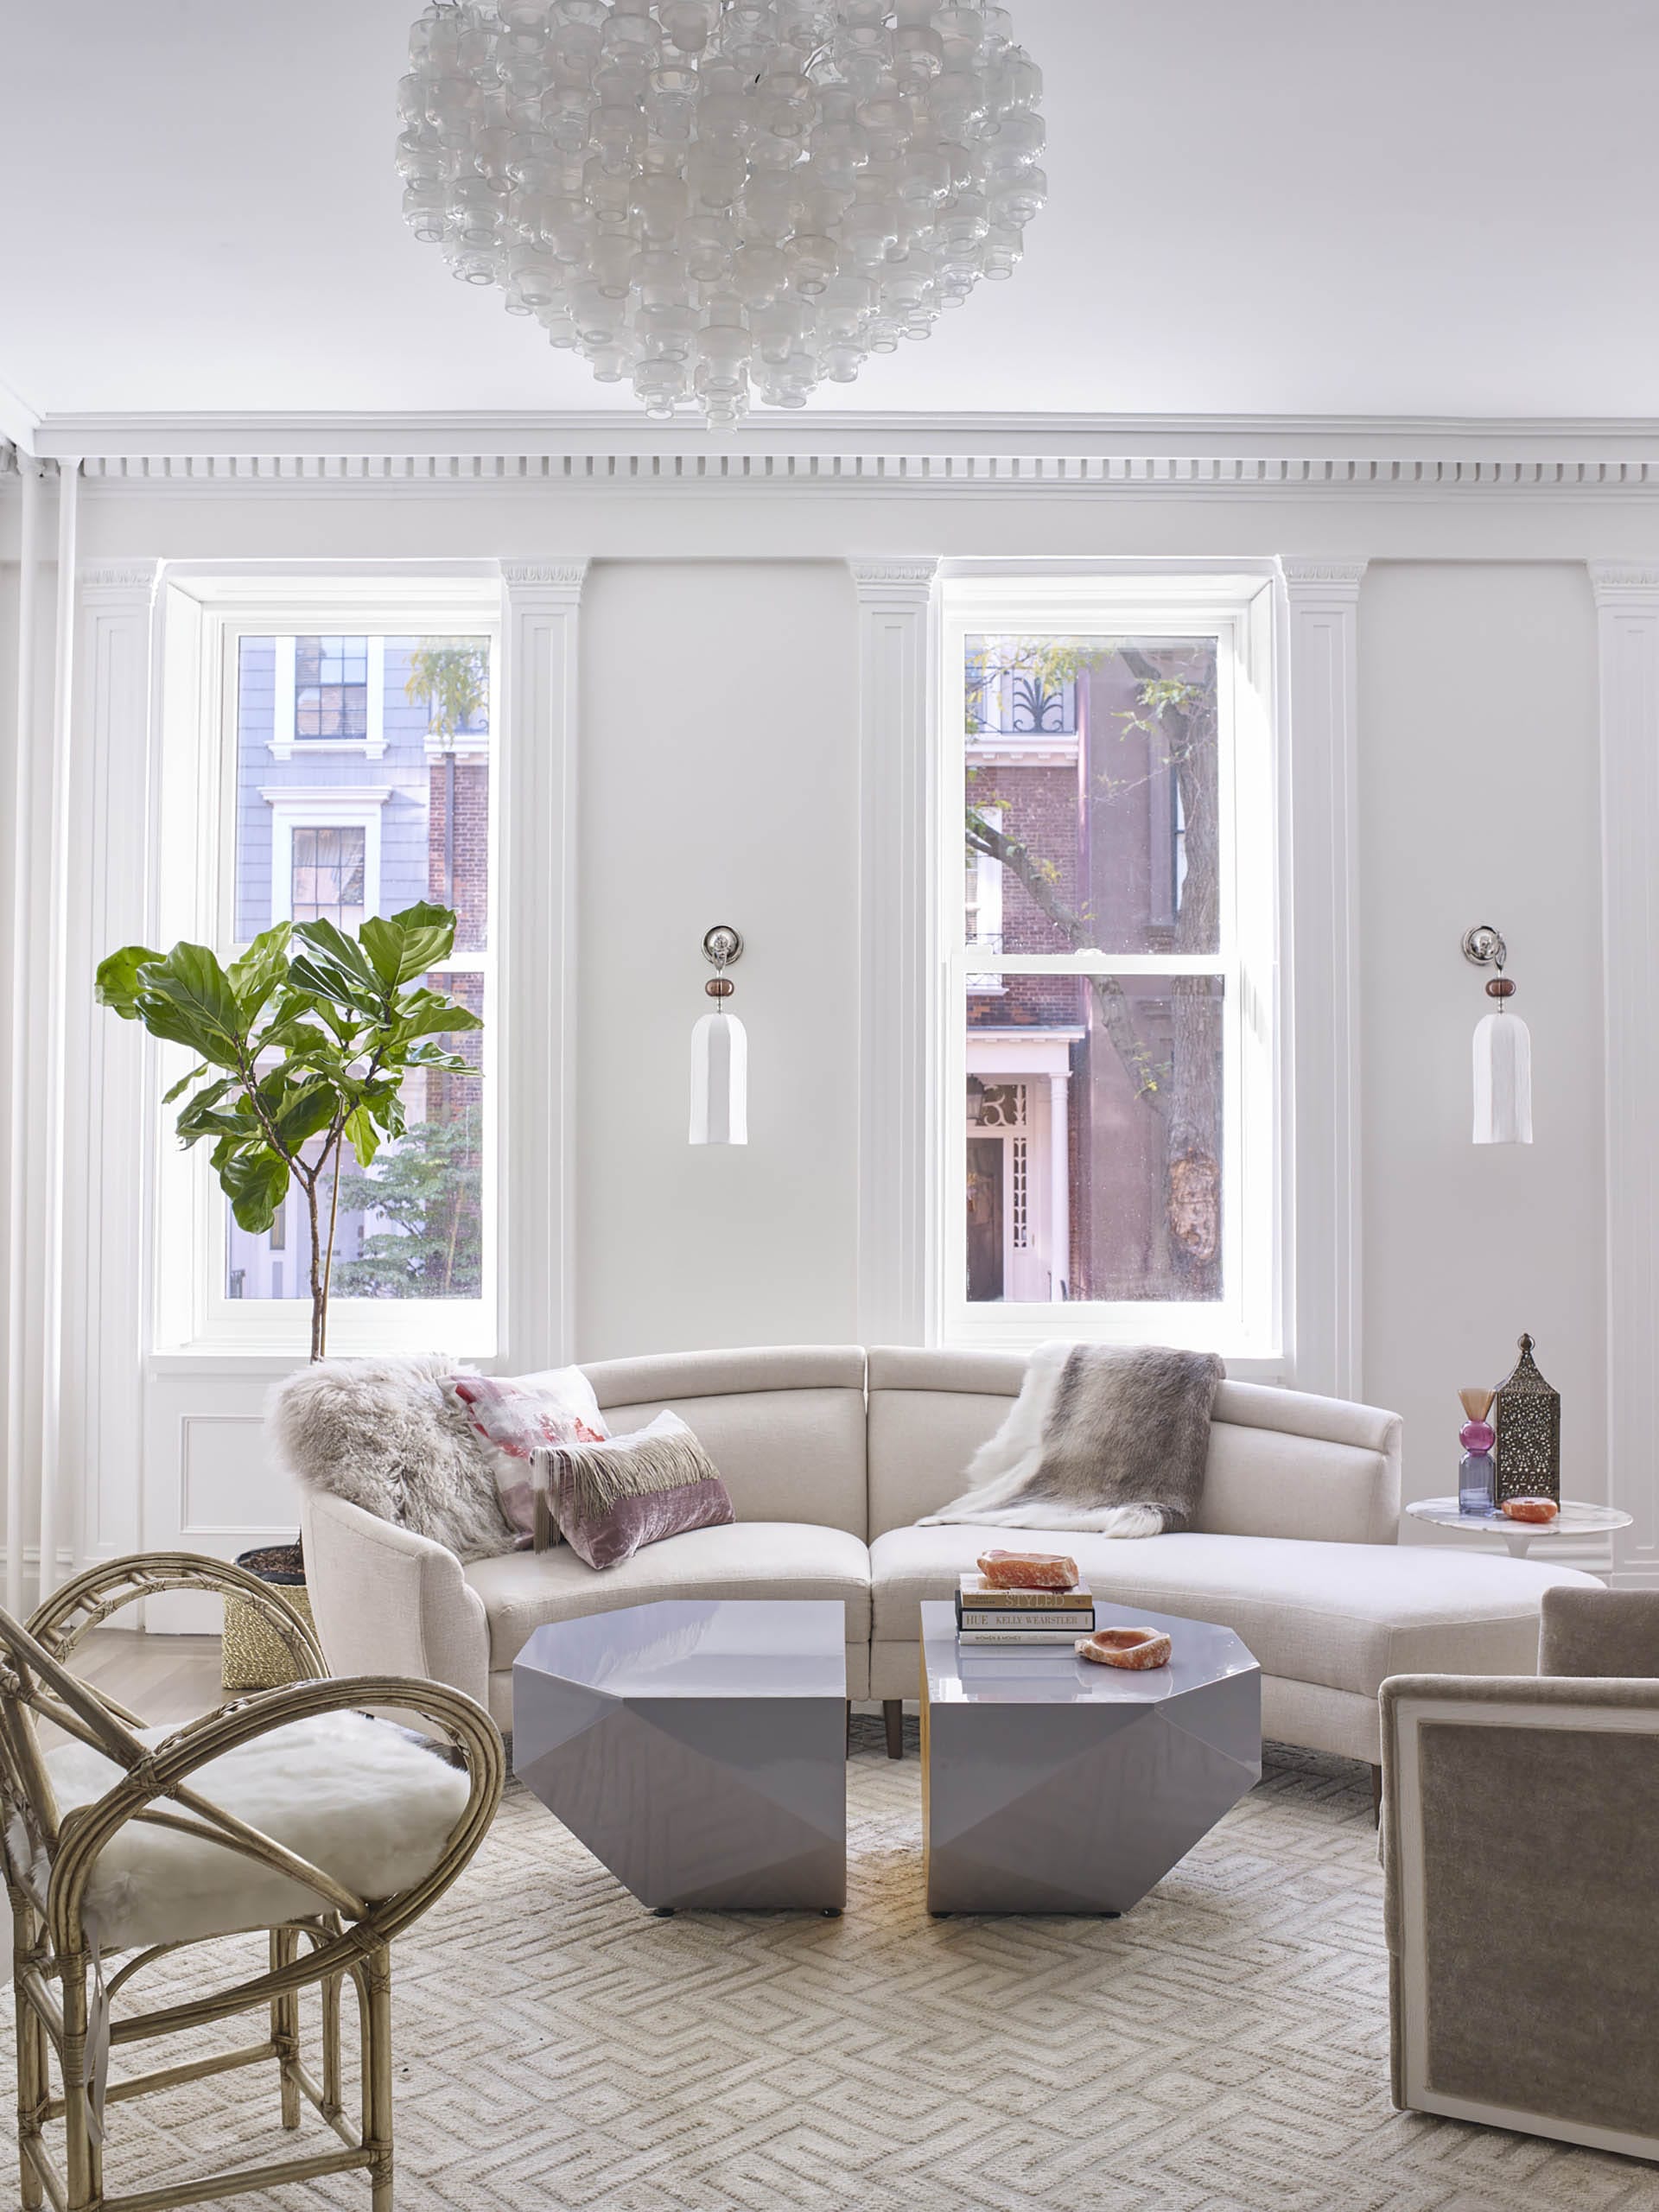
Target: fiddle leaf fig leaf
188, 998
255, 1183
309, 1110
120, 977
428, 936
362, 1136
182, 1085
383, 941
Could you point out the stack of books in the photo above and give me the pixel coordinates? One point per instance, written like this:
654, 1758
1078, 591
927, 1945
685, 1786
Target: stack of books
987, 1614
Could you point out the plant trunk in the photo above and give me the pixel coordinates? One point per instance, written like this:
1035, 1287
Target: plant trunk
318, 1280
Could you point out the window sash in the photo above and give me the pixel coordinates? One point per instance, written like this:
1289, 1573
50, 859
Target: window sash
1247, 1319
193, 1313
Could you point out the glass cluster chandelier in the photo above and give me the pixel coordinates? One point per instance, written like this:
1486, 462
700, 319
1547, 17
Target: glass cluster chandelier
709, 197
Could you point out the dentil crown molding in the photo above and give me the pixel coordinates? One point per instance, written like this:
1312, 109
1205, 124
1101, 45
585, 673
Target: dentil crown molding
978, 454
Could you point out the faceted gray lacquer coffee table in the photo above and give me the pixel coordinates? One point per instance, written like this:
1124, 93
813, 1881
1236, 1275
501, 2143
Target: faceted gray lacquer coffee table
698, 1747
1053, 1785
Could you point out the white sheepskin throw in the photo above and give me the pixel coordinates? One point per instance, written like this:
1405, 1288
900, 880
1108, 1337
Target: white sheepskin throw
1104, 1439
381, 1435
365, 1801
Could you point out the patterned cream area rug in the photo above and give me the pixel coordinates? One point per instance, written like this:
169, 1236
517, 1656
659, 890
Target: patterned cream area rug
1221, 2049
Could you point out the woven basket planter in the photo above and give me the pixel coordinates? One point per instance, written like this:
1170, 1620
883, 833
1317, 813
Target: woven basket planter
254, 1656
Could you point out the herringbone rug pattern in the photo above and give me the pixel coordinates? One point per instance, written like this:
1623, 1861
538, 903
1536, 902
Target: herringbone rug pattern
1222, 2049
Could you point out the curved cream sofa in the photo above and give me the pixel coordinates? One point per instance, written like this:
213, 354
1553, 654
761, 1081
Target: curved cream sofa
831, 1453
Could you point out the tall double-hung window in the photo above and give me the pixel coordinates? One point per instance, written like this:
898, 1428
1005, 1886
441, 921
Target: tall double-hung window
333, 760
1109, 1162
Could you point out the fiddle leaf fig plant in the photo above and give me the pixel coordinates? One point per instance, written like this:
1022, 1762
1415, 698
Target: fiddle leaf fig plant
303, 1046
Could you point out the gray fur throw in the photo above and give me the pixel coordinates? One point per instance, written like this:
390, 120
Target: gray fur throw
381, 1435
1104, 1438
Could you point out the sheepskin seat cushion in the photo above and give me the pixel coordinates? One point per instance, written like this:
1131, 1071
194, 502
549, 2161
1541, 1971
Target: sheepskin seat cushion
382, 1433
365, 1800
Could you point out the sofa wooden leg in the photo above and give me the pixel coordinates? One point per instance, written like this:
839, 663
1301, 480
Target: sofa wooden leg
1377, 1796
893, 1712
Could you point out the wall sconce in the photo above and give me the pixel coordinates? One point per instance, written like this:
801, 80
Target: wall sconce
1503, 1050
719, 1053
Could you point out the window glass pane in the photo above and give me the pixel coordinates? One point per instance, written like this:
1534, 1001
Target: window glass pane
331, 687
1091, 790
1093, 1116
412, 1226
327, 875
430, 788
420, 1208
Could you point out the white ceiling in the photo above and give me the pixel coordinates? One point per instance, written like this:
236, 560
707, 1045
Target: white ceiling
1292, 208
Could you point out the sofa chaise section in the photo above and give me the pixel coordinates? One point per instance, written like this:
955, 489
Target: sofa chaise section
1295, 1548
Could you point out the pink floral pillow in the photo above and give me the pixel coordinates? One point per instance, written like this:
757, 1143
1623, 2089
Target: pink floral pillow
514, 1420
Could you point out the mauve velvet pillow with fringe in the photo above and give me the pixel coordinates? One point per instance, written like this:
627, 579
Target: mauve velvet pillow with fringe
609, 1500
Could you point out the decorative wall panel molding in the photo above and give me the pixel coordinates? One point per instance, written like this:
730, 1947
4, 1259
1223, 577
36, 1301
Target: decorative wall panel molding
1627, 604
897, 1040
1323, 604
538, 816
215, 1452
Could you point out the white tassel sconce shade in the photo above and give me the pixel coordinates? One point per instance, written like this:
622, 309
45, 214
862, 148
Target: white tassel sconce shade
719, 1054
1503, 1051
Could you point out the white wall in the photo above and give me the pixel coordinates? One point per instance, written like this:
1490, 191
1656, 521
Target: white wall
1478, 803
718, 784
717, 768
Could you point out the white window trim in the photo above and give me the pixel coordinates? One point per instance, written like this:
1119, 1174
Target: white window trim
286, 741
348, 806
1236, 605
192, 1321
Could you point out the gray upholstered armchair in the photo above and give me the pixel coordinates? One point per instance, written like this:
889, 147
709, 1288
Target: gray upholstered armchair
1523, 1850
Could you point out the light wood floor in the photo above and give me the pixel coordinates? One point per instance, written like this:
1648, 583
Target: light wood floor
164, 1678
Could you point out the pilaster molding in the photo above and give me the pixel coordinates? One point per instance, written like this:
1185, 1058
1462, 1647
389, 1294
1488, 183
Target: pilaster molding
1627, 620
897, 1017
541, 602
1320, 694
109, 1109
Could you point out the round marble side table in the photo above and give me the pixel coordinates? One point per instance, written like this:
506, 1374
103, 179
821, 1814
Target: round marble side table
1574, 1519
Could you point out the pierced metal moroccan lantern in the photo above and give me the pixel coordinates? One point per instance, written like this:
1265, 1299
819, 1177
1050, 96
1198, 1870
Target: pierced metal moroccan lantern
1526, 1415
719, 1053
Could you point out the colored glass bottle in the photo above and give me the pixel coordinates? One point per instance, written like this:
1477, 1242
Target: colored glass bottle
1477, 1477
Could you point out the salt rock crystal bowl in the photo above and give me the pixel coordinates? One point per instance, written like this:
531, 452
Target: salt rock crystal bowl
1126, 1647
1530, 1509
1028, 1570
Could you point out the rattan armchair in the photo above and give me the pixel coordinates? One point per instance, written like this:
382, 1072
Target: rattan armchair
333, 1934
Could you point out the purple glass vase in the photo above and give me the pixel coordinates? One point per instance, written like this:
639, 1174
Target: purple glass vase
1475, 1471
